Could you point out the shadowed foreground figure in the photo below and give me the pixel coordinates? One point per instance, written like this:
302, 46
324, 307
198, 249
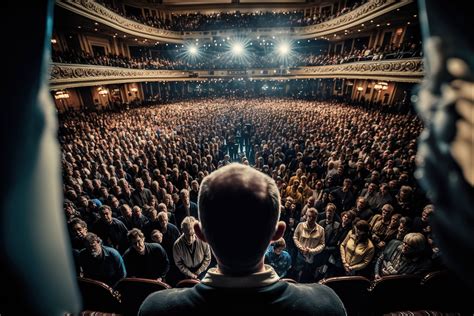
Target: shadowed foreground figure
238, 212
445, 153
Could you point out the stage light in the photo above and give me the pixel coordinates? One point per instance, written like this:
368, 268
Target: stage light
193, 50
237, 48
284, 52
237, 51
283, 49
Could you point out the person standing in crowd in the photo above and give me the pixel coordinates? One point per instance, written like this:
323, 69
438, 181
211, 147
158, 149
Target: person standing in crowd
111, 230
185, 207
309, 239
357, 250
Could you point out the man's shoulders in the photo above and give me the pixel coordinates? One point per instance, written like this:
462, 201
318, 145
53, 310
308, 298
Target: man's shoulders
315, 297
155, 247
393, 244
110, 251
172, 227
167, 302
279, 298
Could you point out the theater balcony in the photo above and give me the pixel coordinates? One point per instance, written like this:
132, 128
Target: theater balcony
72, 75
370, 12
69, 75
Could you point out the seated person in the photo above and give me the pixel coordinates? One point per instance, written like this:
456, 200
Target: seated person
191, 255
228, 198
409, 256
100, 262
278, 258
145, 260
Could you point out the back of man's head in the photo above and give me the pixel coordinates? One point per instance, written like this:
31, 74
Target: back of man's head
238, 208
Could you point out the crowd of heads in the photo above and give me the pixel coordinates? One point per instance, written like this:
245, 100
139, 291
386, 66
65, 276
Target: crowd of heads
141, 170
230, 20
218, 58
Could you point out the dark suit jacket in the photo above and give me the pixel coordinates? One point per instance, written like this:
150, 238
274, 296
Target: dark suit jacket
280, 298
181, 212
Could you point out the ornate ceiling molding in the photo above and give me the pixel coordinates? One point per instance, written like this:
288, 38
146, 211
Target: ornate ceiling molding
362, 14
68, 76
96, 12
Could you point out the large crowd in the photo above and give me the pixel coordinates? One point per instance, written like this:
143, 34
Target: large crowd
345, 175
219, 59
231, 20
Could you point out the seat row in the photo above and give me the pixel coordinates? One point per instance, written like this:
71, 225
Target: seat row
437, 291
125, 298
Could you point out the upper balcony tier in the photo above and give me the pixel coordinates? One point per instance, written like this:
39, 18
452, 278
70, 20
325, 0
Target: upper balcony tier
365, 13
64, 76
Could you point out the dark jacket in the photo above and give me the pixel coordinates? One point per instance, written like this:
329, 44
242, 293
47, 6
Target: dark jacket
280, 298
153, 264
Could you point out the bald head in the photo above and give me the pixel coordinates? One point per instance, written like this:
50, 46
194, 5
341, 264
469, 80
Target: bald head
238, 209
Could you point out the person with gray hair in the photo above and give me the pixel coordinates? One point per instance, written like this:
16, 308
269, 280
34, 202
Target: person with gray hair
410, 256
192, 256
239, 208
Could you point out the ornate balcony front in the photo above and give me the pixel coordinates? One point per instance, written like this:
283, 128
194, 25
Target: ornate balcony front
363, 14
400, 70
96, 12
64, 76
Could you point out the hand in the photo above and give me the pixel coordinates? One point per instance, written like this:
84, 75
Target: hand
461, 91
376, 277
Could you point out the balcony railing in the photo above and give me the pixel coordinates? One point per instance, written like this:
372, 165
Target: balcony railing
72, 75
96, 12
101, 14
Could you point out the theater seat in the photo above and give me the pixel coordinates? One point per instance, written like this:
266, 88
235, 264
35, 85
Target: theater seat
443, 291
98, 296
187, 283
395, 293
353, 291
133, 292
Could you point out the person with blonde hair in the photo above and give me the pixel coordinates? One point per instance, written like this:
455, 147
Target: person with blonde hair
410, 256
192, 256
357, 250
